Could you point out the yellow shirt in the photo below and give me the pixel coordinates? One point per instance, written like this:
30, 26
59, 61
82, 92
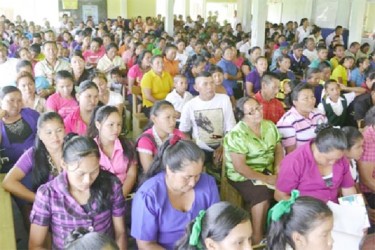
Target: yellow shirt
340, 71
334, 62
160, 86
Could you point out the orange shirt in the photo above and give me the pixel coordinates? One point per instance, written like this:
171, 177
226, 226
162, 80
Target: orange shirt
171, 67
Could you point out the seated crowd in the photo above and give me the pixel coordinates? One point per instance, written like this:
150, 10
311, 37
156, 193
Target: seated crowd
297, 121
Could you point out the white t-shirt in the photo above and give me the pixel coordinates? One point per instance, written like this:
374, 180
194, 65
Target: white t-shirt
209, 120
8, 72
177, 101
245, 49
302, 34
182, 58
115, 99
311, 55
337, 106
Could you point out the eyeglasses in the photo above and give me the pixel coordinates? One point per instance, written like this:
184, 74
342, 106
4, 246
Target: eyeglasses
254, 110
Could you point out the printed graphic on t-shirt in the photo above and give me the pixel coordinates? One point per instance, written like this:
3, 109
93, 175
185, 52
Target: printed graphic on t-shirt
210, 126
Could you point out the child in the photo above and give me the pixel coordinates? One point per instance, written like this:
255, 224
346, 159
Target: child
223, 226
92, 199
339, 51
300, 223
335, 105
162, 126
322, 57
355, 149
340, 73
88, 98
63, 101
357, 75
116, 81
179, 96
117, 154
253, 83
218, 76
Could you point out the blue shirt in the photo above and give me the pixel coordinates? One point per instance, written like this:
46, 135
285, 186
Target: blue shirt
357, 77
230, 68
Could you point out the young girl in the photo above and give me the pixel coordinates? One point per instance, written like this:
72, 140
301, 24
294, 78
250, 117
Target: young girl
63, 101
173, 191
300, 223
283, 68
162, 127
79, 119
42, 161
342, 72
106, 96
357, 75
253, 83
218, 76
91, 198
355, 149
117, 155
222, 226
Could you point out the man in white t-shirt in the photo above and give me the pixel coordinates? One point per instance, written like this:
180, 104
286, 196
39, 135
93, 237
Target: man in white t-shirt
209, 116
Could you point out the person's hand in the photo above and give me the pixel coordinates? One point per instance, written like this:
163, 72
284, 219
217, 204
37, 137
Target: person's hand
270, 179
218, 156
43, 93
3, 113
239, 75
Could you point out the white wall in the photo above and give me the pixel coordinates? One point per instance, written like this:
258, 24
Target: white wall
33, 10
325, 13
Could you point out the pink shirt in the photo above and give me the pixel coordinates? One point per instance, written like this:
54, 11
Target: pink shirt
61, 105
298, 170
136, 73
93, 57
117, 164
74, 123
145, 145
368, 153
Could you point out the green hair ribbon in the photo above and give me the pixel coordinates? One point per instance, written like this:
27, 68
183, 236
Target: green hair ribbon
196, 231
282, 207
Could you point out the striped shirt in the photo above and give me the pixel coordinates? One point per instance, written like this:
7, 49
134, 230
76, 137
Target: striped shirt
368, 153
54, 206
296, 129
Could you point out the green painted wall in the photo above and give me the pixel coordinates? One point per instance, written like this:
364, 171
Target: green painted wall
141, 8
113, 8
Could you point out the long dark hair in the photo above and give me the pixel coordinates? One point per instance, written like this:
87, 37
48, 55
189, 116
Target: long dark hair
175, 153
101, 114
77, 147
216, 224
41, 165
305, 214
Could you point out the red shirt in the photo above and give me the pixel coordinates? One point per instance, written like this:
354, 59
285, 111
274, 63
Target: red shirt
272, 110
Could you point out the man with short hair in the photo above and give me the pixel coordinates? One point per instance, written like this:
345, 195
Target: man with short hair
273, 109
209, 116
299, 62
353, 49
338, 32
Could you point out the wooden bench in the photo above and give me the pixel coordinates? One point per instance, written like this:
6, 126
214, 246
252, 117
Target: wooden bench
227, 191
139, 120
7, 235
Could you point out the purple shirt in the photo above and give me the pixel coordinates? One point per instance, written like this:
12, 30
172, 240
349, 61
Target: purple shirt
298, 170
254, 78
14, 150
56, 208
154, 217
